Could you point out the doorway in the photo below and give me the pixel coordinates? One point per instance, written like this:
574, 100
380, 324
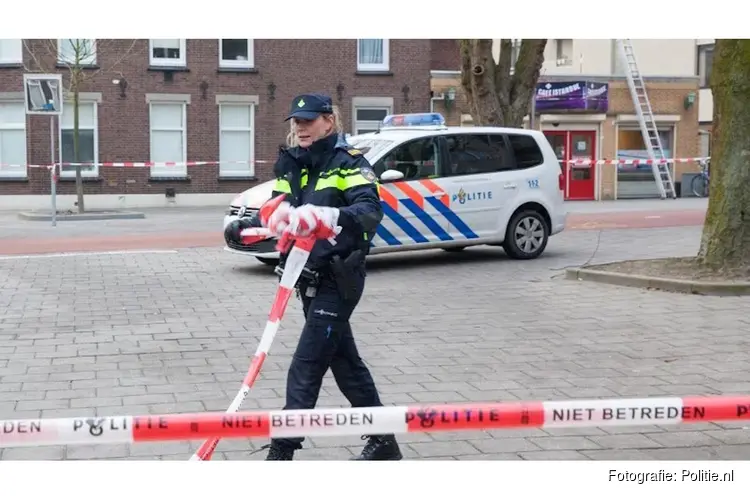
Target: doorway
580, 180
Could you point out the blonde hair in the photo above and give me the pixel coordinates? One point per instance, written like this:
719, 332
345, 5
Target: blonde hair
338, 128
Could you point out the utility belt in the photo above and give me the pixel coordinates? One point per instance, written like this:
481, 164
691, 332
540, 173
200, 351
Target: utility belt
340, 271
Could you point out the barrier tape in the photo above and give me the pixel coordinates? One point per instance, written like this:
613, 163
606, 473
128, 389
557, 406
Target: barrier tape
373, 421
261, 162
635, 162
293, 267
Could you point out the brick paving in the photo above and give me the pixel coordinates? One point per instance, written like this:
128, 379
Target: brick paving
173, 332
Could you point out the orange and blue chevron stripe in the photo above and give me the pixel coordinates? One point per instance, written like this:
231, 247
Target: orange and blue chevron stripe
402, 194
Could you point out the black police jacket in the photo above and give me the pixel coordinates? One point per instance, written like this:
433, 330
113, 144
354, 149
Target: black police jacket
331, 173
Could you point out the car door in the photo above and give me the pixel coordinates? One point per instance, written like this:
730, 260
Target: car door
411, 204
475, 179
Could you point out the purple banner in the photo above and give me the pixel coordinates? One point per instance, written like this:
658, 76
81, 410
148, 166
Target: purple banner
572, 96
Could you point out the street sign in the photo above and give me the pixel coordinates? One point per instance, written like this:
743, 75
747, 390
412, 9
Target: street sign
44, 94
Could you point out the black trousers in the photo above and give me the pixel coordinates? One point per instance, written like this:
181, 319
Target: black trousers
327, 342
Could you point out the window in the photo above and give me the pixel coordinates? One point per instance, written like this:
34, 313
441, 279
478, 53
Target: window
88, 135
11, 51
236, 144
372, 54
705, 64
564, 51
630, 145
418, 159
526, 150
236, 53
78, 51
168, 138
167, 52
369, 119
12, 139
478, 154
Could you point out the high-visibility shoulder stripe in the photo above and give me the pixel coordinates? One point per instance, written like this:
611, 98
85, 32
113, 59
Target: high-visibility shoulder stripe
282, 186
342, 182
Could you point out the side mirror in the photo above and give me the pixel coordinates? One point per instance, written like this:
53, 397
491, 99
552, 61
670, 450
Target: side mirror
391, 175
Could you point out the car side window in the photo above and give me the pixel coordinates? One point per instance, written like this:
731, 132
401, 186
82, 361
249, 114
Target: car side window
526, 150
418, 159
472, 154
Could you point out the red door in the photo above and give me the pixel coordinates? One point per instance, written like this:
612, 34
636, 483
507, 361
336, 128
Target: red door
582, 183
580, 180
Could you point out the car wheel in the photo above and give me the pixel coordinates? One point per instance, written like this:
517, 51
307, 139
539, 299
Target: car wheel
526, 236
268, 262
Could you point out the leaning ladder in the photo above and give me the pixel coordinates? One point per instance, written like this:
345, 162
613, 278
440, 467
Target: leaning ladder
659, 164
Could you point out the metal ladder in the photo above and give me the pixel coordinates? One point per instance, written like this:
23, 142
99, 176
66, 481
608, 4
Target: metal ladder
650, 133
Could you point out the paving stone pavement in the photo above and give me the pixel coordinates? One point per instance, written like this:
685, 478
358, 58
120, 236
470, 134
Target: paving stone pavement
174, 332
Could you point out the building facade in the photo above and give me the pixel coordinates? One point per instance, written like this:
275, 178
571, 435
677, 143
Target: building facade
704, 63
189, 101
586, 111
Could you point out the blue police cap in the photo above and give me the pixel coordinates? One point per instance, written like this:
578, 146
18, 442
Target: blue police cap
310, 106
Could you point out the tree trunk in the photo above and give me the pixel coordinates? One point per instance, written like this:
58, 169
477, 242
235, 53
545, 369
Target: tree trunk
76, 153
495, 96
726, 232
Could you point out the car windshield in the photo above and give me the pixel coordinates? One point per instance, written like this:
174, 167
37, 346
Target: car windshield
372, 147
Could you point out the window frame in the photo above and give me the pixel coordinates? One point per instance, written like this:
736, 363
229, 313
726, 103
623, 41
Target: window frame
90, 61
168, 172
162, 62
369, 124
23, 172
94, 172
447, 170
249, 171
375, 67
232, 63
704, 77
16, 48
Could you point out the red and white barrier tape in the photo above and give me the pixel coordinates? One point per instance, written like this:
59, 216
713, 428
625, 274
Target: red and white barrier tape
293, 267
143, 164
373, 421
634, 162
263, 162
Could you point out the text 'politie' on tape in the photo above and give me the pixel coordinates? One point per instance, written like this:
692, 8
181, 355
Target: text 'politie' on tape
378, 420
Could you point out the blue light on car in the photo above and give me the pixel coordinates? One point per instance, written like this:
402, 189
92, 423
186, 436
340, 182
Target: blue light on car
413, 120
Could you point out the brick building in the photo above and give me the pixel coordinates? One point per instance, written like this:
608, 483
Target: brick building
193, 100
604, 128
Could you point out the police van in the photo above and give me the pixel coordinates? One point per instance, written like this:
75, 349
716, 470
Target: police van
448, 188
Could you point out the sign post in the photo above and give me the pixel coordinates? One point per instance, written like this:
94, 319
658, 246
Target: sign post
44, 96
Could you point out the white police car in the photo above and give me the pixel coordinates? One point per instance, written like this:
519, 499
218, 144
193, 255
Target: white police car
449, 188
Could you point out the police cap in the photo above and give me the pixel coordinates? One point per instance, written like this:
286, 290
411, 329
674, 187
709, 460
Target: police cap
310, 106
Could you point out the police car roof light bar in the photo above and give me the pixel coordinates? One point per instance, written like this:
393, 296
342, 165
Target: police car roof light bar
413, 120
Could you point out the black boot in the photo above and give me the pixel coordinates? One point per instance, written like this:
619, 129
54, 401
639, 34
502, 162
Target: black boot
380, 448
278, 452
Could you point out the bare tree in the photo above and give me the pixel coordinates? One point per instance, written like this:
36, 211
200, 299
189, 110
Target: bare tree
725, 245
78, 56
499, 94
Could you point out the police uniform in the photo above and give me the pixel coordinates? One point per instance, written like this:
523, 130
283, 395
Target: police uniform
330, 174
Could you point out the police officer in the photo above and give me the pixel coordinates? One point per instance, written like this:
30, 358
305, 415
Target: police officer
331, 191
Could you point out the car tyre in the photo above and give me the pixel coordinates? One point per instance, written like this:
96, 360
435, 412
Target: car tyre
527, 235
268, 262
